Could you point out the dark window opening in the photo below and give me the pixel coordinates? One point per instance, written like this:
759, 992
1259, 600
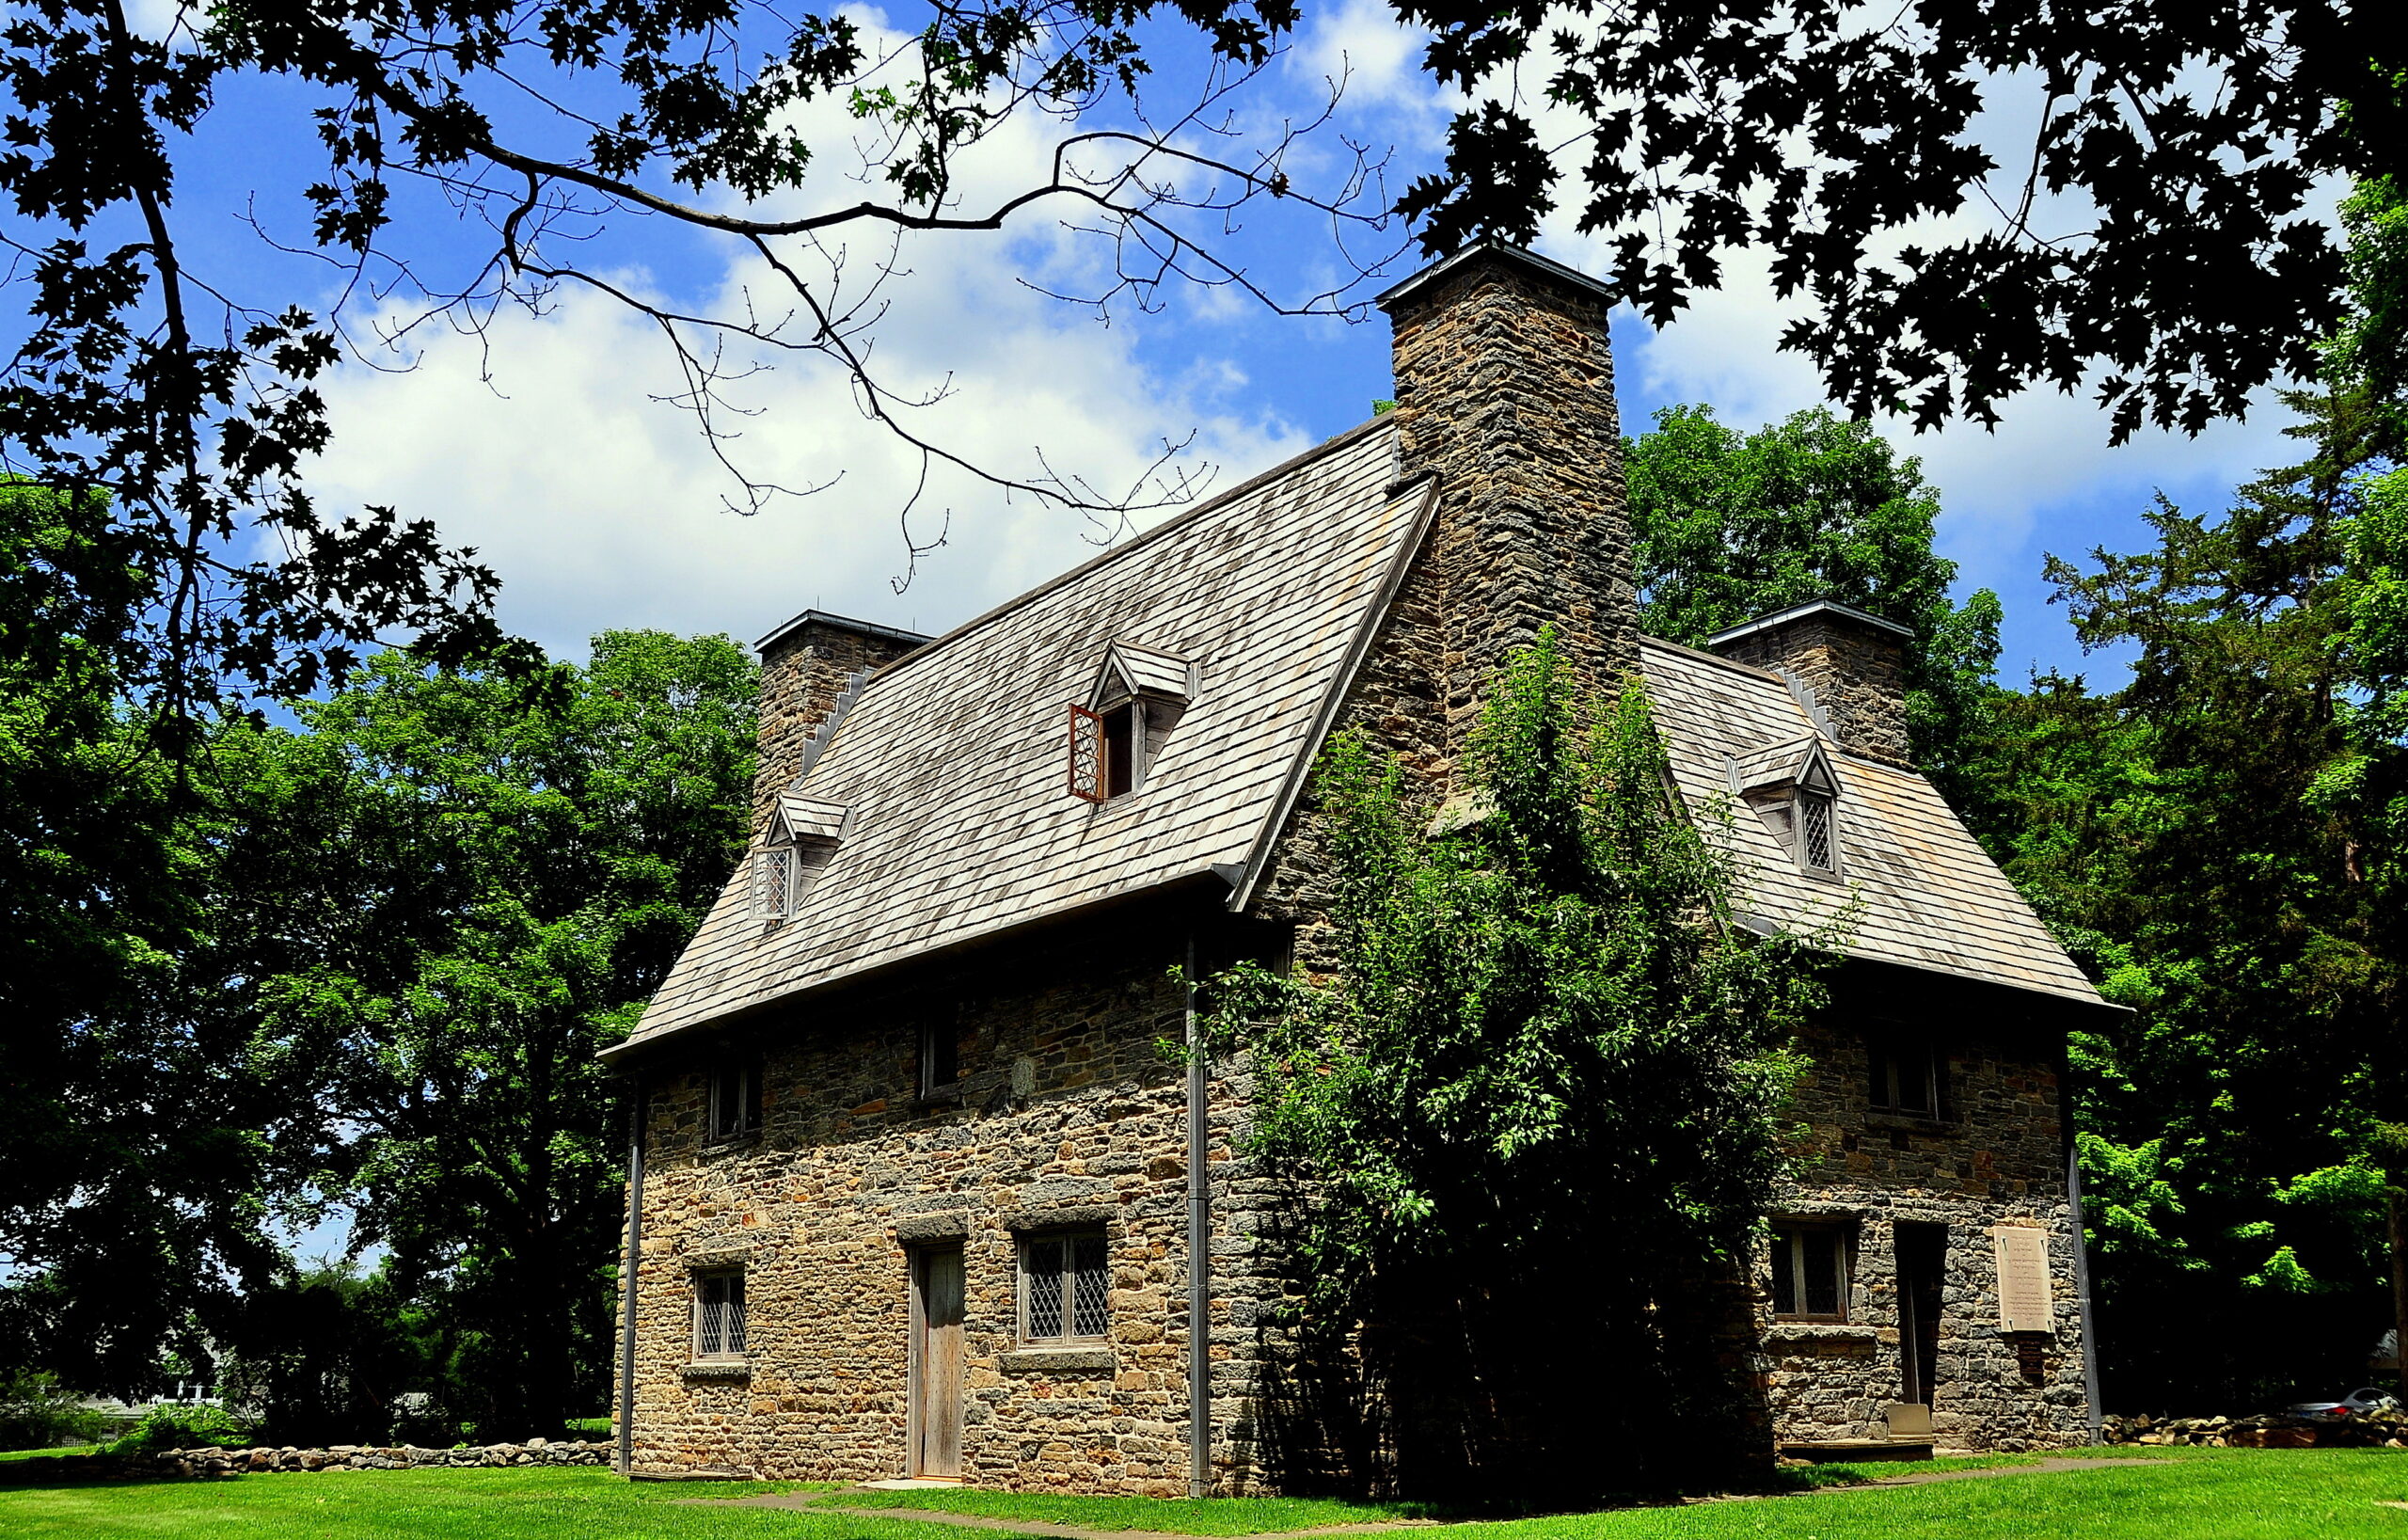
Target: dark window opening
736, 1099
1903, 1077
1120, 750
1810, 1266
718, 1315
1062, 1286
940, 1058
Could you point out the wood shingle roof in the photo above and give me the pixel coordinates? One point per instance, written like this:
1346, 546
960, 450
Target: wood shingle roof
953, 762
947, 775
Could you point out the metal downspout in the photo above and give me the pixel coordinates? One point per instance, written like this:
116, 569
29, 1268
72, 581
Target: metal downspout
2082, 1290
627, 1286
1200, 1255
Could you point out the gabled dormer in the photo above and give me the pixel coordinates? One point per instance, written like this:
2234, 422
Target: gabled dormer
1795, 789
802, 839
1136, 700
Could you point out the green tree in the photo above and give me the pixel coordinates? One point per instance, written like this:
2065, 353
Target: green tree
2210, 841
1535, 1054
1729, 526
512, 878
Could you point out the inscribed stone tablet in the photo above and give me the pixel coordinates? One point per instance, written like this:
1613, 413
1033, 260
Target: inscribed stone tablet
2023, 1295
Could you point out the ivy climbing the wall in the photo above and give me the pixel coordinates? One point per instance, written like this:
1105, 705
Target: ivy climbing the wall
1527, 1088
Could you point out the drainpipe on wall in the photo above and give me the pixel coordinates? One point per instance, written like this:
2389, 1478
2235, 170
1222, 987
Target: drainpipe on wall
1199, 1260
2082, 1290
627, 1285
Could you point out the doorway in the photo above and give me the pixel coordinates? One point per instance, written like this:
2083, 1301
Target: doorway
1923, 1260
936, 1363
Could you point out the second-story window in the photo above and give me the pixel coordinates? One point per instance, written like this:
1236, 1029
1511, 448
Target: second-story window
1903, 1076
939, 1058
735, 1099
1816, 848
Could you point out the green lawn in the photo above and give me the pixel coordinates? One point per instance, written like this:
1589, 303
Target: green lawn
1219, 1515
2192, 1495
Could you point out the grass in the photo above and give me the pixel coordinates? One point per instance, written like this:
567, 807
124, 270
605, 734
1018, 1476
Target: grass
2179, 1495
1215, 1515
45, 1454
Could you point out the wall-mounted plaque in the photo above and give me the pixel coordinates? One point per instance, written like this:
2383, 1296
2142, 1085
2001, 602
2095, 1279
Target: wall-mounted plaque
2024, 1302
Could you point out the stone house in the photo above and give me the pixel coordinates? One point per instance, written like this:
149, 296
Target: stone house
918, 1191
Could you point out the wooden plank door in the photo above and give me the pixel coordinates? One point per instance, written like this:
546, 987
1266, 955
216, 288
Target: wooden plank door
936, 1363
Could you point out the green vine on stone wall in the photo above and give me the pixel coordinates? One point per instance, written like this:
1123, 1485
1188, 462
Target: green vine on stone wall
1535, 1087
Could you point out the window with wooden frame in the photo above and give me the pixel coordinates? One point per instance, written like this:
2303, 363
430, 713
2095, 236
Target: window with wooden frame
801, 842
1810, 1272
1064, 1287
1137, 698
774, 871
1817, 840
718, 1315
735, 1099
940, 1060
1105, 750
1902, 1075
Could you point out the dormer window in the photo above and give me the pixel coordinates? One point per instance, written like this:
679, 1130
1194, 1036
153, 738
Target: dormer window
1793, 789
801, 841
1138, 697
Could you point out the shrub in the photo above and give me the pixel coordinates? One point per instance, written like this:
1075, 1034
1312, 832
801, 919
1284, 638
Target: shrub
36, 1413
171, 1427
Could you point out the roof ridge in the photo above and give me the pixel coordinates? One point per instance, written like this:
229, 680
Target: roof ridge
1703, 656
1138, 542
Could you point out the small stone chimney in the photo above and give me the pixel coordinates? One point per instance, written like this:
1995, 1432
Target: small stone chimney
1853, 664
806, 667
1505, 389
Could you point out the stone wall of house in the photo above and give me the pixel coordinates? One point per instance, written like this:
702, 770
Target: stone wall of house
1068, 1112
1997, 1157
1857, 670
805, 669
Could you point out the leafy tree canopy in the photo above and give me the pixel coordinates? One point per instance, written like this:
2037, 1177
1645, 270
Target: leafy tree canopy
1729, 526
2161, 140
1532, 1050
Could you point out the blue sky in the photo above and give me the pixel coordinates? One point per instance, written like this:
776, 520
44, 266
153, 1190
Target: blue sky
543, 442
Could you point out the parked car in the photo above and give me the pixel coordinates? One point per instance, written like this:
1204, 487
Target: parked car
2356, 1404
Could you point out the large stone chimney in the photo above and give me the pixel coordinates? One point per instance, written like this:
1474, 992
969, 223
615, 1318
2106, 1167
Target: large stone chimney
1851, 665
1505, 389
807, 665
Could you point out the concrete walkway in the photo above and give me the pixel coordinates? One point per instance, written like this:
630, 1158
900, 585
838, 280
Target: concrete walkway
2052, 1466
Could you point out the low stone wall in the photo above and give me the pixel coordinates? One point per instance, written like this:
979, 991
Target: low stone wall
203, 1464
2271, 1430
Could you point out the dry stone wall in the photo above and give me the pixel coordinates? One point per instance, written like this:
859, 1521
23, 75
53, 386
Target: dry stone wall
204, 1464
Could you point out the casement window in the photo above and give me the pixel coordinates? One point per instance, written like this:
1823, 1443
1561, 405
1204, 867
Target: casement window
801, 842
1810, 1272
939, 1058
1817, 843
1063, 1287
718, 1315
1902, 1075
735, 1099
1137, 698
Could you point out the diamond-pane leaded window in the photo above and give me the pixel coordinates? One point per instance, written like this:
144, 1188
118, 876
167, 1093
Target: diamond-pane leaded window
1062, 1286
718, 1315
1815, 829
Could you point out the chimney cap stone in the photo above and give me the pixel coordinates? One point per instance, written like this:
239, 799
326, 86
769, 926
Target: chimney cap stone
838, 622
1800, 611
1387, 299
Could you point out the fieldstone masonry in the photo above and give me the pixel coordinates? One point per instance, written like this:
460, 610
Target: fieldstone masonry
805, 668
1067, 1111
1994, 1156
1855, 664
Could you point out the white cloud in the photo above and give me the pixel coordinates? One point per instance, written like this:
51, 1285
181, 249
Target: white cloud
601, 506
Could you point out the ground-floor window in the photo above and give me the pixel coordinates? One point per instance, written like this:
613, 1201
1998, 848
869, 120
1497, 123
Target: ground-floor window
718, 1315
1062, 1286
1810, 1272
